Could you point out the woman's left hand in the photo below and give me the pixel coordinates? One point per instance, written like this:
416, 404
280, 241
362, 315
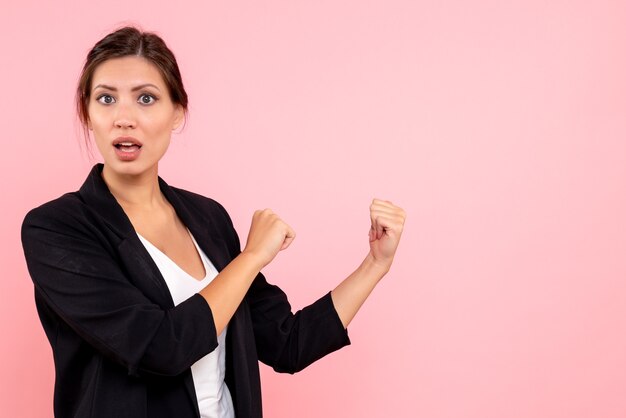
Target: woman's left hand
386, 229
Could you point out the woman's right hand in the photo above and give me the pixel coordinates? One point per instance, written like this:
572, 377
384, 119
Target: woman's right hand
268, 235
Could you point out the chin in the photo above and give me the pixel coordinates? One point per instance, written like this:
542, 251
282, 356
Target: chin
129, 168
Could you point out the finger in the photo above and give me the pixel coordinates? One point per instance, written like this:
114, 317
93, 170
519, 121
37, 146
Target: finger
381, 208
384, 205
261, 215
386, 226
382, 202
394, 216
388, 222
376, 227
286, 243
390, 209
373, 226
289, 237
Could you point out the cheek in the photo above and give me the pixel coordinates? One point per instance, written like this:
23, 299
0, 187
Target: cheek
96, 120
97, 131
159, 126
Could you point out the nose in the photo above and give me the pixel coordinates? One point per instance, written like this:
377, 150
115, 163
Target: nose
125, 117
124, 123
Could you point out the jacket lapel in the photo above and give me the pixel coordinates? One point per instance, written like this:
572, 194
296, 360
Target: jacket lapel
138, 262
142, 269
199, 225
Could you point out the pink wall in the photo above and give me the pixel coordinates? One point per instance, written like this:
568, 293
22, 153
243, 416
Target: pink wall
500, 126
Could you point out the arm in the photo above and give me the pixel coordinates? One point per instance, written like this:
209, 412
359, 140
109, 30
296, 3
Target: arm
387, 222
78, 274
268, 235
286, 341
289, 342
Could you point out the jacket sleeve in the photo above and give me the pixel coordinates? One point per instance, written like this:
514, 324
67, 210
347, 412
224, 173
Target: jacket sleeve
288, 342
78, 277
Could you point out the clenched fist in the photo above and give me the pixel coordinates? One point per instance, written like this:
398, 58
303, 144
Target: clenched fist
387, 222
268, 235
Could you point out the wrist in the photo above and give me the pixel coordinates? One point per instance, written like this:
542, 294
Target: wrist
379, 267
252, 259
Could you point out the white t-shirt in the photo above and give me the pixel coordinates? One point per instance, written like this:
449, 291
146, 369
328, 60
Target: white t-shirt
214, 399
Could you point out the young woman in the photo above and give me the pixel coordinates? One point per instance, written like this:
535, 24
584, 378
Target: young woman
150, 306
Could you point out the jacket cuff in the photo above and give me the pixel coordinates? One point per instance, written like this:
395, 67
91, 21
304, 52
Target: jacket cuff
339, 334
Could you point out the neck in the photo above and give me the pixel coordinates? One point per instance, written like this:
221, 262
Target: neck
140, 191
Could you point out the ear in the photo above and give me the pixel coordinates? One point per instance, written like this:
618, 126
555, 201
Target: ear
179, 117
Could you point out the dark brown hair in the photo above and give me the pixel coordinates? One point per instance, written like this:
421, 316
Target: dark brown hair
129, 41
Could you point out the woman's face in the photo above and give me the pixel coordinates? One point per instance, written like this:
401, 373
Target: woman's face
131, 114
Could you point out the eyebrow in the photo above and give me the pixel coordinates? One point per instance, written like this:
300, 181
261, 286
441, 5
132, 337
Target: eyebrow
139, 87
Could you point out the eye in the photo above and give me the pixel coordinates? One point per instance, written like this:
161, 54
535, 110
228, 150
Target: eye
105, 99
147, 99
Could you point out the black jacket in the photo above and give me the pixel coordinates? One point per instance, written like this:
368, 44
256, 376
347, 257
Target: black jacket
121, 348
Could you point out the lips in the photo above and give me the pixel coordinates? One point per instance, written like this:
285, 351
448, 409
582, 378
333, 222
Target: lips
127, 148
127, 143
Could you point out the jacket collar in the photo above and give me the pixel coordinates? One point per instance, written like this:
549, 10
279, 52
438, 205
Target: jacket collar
97, 195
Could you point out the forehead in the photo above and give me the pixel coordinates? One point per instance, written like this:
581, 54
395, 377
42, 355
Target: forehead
127, 72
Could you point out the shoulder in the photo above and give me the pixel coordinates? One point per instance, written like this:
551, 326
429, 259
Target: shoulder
66, 208
66, 218
50, 229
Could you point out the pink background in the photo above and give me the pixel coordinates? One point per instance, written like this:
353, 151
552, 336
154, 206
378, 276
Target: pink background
500, 126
